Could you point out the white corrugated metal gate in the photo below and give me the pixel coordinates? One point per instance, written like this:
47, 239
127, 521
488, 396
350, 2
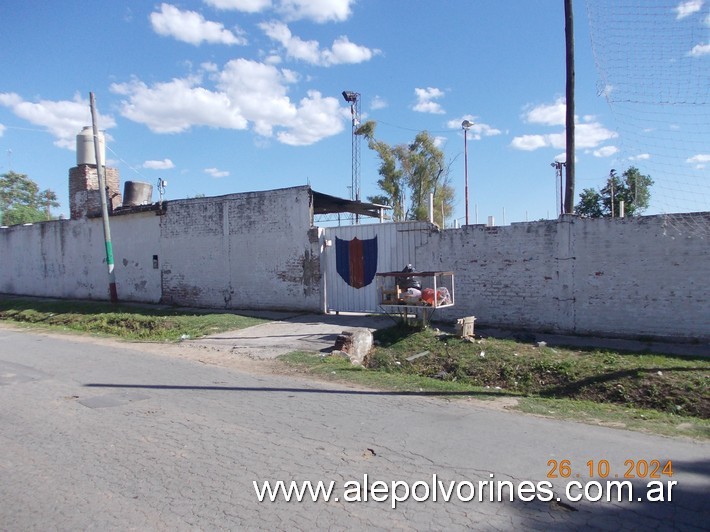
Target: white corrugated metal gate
353, 254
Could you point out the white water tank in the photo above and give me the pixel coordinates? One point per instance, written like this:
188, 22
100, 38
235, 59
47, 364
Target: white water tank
85, 153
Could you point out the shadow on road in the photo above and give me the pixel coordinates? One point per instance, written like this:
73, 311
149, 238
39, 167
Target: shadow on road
293, 390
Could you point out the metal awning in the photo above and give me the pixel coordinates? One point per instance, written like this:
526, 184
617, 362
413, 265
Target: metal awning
326, 204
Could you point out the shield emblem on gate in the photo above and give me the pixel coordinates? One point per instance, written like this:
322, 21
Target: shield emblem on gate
356, 260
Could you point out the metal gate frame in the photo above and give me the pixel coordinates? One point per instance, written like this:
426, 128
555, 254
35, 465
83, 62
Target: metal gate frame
351, 254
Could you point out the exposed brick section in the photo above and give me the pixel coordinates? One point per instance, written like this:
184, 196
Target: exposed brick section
84, 198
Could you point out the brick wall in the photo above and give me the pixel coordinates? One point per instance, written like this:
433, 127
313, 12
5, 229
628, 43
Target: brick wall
251, 250
632, 277
84, 198
67, 258
625, 277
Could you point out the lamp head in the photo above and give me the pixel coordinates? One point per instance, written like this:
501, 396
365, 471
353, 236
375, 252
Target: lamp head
350, 96
466, 124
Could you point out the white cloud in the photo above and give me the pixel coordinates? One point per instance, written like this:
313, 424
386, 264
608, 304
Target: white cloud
477, 131
561, 158
165, 164
63, 119
557, 140
606, 151
700, 160
258, 91
11, 99
592, 135
345, 52
685, 9
586, 136
2, 129
191, 27
699, 50
209, 67
424, 100
175, 106
530, 142
290, 76
640, 157
245, 6
342, 51
589, 134
316, 118
315, 10
296, 47
214, 172
247, 94
548, 115
439, 142
378, 103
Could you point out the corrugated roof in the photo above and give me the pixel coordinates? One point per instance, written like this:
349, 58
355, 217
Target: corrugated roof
327, 204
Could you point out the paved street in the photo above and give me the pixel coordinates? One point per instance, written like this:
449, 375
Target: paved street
109, 436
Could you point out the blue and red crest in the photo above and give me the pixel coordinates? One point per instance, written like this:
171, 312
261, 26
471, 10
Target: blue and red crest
356, 260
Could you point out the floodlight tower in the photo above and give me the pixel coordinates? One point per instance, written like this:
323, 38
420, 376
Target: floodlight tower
466, 125
353, 98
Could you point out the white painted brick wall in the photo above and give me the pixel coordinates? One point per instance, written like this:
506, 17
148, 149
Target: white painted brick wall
136, 239
251, 250
67, 258
632, 277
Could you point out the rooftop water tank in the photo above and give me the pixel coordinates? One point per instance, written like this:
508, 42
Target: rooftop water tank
137, 193
85, 152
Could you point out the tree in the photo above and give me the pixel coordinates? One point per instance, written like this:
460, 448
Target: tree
408, 174
21, 200
632, 188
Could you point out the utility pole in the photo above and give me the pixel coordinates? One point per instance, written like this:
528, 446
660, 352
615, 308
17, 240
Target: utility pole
569, 47
104, 204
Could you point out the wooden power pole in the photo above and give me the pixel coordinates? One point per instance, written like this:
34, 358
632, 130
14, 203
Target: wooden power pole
569, 166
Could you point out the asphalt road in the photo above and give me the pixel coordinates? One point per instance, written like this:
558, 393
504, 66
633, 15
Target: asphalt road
106, 436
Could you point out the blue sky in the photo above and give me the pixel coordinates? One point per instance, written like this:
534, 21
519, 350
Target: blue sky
222, 96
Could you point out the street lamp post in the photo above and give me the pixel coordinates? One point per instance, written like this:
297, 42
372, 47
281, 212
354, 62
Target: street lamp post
466, 125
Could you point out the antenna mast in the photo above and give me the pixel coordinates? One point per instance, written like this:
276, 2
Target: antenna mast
353, 98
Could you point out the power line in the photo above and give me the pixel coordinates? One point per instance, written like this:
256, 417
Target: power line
124, 162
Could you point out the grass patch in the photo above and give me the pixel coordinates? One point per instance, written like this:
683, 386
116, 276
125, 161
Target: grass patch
670, 384
660, 393
131, 322
337, 368
613, 415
